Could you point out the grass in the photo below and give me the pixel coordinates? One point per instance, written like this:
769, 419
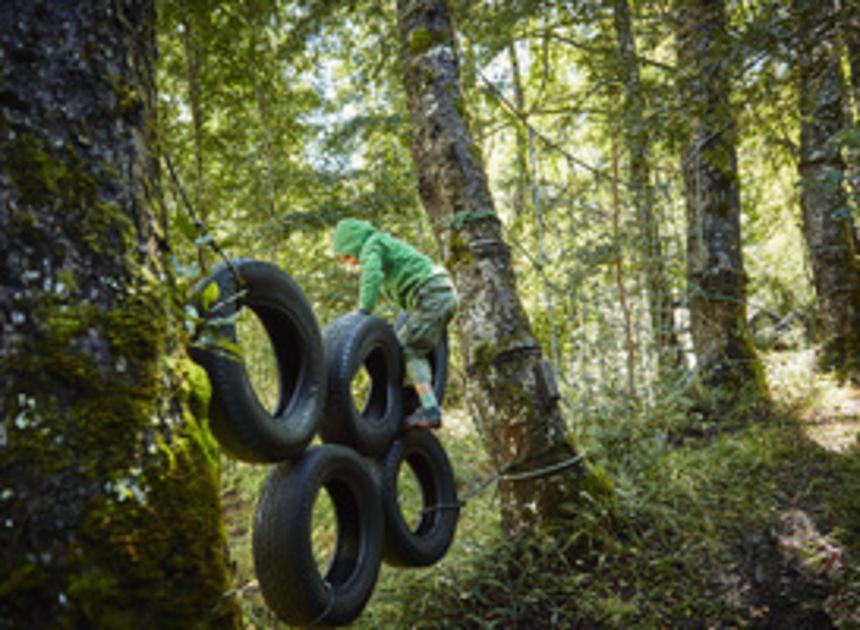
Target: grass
748, 525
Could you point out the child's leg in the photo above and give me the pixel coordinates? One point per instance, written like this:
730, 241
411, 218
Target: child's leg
419, 375
428, 415
424, 327
426, 394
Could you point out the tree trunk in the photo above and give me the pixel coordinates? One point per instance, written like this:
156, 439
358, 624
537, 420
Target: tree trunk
255, 61
849, 21
510, 392
636, 137
727, 366
827, 224
527, 176
618, 263
109, 489
192, 75
521, 154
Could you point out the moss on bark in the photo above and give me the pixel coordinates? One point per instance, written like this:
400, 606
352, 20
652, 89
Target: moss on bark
110, 479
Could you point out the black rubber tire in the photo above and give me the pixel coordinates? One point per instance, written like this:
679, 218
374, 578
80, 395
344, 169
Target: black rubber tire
429, 540
350, 342
438, 359
241, 424
289, 578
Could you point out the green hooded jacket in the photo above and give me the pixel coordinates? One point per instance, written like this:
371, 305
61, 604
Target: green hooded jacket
388, 266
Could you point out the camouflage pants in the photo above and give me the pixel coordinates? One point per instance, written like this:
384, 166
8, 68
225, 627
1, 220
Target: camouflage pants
433, 306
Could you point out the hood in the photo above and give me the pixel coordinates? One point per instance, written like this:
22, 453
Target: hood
350, 235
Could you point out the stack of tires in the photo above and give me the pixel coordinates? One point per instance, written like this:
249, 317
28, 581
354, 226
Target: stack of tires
362, 452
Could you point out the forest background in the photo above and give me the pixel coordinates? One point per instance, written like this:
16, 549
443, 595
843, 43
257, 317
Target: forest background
674, 188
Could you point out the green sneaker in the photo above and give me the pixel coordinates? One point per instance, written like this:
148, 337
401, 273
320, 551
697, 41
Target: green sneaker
424, 418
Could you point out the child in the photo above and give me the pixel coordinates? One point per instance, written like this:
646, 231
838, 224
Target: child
407, 277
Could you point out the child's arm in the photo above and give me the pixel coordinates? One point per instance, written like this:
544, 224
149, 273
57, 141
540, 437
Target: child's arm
372, 276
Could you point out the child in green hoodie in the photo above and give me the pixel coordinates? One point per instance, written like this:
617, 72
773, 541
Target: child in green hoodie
407, 277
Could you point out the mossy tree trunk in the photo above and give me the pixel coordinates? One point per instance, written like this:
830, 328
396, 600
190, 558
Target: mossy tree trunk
635, 129
109, 503
828, 228
510, 390
728, 369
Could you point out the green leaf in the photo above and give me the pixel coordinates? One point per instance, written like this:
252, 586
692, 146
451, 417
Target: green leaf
210, 295
229, 347
222, 321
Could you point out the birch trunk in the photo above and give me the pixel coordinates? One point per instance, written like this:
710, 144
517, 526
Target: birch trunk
109, 490
511, 392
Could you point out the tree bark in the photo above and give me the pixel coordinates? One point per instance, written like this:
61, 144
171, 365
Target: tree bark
192, 75
727, 366
849, 22
828, 228
523, 174
256, 62
109, 488
618, 263
636, 137
510, 392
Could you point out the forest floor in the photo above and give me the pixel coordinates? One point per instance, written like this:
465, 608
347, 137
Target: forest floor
754, 525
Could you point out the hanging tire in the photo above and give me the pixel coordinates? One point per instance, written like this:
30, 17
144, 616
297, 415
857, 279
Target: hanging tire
424, 542
438, 359
289, 577
351, 342
238, 419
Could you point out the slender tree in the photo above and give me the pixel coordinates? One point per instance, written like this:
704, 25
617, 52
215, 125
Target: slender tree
849, 21
635, 129
727, 365
827, 223
510, 390
193, 77
109, 504
521, 163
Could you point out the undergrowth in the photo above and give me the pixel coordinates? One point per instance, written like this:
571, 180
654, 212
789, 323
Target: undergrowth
704, 532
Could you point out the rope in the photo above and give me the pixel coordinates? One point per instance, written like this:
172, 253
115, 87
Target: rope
546, 471
502, 475
206, 238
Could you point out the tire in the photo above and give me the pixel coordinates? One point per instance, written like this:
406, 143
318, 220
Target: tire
289, 578
438, 359
425, 543
350, 342
241, 424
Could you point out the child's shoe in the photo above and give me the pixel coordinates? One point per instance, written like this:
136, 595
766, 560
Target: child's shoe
424, 418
